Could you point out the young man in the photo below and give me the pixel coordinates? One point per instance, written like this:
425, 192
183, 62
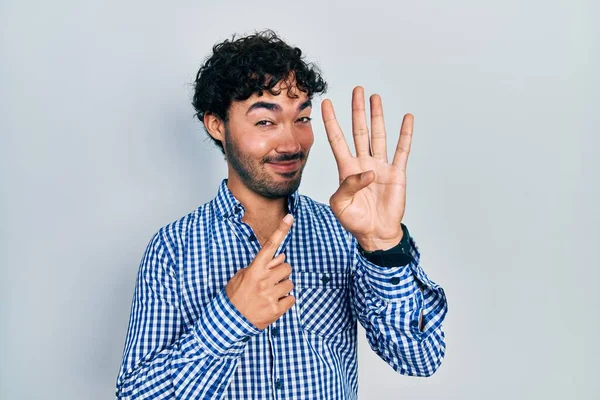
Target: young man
255, 294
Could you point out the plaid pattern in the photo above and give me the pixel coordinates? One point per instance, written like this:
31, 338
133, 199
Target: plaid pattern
187, 341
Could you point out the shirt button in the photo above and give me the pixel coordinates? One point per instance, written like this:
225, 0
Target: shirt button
325, 279
275, 331
278, 384
246, 338
395, 280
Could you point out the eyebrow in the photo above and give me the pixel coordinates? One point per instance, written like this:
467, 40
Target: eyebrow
275, 107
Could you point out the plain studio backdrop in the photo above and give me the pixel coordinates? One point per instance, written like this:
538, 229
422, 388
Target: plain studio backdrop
99, 149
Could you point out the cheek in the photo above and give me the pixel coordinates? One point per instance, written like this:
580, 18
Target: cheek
256, 145
261, 146
306, 138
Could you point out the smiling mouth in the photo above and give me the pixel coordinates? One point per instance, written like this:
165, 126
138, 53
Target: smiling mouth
285, 166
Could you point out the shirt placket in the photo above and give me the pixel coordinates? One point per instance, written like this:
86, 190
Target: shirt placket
245, 234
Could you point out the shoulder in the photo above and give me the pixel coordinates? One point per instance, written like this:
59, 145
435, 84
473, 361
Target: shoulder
316, 208
173, 236
321, 215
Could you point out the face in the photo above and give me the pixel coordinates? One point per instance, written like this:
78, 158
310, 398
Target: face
267, 141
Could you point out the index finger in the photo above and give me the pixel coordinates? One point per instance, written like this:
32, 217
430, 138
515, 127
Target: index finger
268, 250
336, 138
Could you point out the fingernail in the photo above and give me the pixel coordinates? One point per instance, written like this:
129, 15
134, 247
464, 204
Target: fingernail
288, 218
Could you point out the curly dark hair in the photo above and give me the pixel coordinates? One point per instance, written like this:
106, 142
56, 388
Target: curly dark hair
239, 68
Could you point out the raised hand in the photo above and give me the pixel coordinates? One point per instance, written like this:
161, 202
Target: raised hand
370, 201
260, 291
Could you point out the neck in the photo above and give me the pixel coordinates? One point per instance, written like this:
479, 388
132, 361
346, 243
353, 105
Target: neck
259, 209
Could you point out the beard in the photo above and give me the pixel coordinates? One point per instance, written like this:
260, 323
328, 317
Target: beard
254, 173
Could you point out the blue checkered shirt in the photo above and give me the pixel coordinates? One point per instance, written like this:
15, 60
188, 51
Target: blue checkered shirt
187, 341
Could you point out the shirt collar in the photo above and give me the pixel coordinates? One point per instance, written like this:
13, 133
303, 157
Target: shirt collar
227, 206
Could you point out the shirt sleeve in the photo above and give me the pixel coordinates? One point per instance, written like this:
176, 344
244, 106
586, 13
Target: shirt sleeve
388, 303
164, 359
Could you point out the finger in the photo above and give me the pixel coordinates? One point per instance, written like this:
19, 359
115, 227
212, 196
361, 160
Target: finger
283, 288
404, 142
360, 131
335, 136
351, 185
378, 139
268, 250
276, 261
280, 273
286, 303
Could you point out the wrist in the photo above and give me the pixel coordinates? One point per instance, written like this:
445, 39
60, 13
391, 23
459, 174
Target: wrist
397, 255
371, 244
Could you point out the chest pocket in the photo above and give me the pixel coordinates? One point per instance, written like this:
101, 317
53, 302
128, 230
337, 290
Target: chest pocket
323, 300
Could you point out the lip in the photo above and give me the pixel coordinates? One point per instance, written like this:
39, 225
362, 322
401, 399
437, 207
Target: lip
287, 166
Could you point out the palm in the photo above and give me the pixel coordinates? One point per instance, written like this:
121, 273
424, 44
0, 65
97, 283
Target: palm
375, 210
370, 210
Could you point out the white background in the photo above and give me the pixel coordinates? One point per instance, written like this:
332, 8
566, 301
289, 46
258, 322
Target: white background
99, 148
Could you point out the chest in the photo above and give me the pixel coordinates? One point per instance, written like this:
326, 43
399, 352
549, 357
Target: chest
317, 252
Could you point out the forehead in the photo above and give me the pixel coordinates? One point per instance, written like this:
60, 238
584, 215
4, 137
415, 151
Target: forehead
285, 98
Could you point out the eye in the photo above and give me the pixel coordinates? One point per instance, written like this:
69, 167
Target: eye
305, 120
264, 122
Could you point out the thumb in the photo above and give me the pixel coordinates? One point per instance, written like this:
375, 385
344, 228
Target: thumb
353, 184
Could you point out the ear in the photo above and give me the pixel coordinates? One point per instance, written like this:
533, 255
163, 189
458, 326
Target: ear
214, 126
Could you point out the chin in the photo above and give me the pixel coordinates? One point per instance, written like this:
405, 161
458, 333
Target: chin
282, 187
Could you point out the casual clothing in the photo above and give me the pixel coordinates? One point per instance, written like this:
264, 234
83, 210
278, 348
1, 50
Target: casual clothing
187, 341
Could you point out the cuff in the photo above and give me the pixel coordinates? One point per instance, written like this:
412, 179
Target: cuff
221, 329
408, 284
391, 283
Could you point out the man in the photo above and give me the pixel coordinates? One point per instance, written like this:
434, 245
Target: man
255, 294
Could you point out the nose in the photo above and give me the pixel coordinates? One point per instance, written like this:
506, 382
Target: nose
287, 142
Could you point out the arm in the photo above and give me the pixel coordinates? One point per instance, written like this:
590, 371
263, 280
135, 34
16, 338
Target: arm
164, 360
389, 303
370, 204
